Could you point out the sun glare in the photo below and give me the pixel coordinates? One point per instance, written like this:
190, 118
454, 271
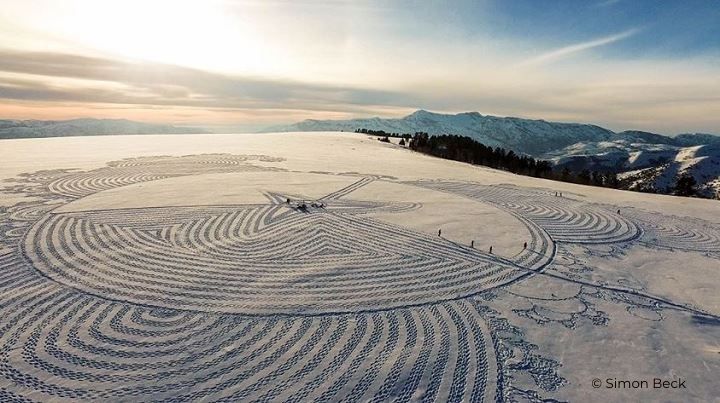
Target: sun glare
191, 33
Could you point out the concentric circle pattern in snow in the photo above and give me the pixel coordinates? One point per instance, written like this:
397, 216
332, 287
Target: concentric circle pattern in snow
267, 301
254, 260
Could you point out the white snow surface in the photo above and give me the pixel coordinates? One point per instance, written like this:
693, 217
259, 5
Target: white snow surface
145, 268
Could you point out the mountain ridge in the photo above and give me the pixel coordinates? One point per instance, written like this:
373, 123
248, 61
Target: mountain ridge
646, 161
23, 129
534, 137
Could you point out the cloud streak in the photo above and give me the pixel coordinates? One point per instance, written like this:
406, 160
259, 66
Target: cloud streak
577, 48
607, 3
614, 94
159, 84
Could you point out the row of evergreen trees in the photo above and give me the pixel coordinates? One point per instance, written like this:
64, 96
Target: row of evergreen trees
588, 177
383, 133
465, 149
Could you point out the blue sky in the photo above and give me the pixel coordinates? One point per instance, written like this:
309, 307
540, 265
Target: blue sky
235, 64
666, 28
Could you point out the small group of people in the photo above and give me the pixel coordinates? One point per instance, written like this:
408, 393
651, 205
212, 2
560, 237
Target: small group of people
558, 194
472, 242
303, 205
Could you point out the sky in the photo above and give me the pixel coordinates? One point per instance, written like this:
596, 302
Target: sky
237, 65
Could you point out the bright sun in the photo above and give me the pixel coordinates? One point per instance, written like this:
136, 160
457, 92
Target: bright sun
197, 33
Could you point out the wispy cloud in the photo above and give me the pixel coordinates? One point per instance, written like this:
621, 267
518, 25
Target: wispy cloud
144, 83
607, 3
614, 93
578, 47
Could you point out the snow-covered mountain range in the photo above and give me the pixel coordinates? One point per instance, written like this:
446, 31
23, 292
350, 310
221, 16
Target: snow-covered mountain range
652, 167
645, 161
15, 129
532, 137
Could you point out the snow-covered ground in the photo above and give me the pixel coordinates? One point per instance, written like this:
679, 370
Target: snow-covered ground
138, 268
573, 145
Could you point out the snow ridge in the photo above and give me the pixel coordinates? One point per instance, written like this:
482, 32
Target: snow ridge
653, 161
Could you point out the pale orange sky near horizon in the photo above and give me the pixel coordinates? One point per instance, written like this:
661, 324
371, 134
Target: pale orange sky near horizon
246, 64
217, 120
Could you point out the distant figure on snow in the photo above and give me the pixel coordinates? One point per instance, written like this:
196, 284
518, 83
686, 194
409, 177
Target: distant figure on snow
491, 250
525, 245
440, 232
472, 244
618, 212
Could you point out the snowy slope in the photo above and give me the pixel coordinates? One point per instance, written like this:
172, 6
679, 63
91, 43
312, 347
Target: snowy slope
649, 160
616, 156
532, 137
700, 162
170, 268
645, 166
